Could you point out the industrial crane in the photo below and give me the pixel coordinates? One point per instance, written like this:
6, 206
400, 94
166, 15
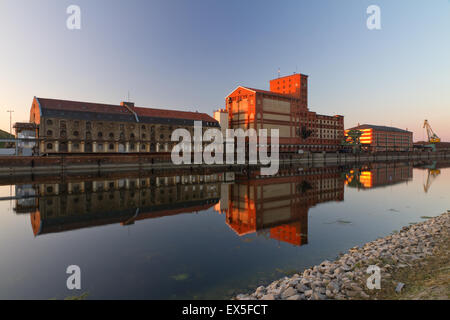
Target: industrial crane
432, 137
433, 172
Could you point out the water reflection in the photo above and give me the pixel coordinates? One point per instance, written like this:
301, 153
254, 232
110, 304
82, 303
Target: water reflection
59, 207
278, 206
275, 207
379, 175
245, 222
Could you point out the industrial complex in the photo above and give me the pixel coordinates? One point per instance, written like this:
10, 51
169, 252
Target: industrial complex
285, 107
73, 127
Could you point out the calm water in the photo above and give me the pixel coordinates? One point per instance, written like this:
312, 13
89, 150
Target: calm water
183, 235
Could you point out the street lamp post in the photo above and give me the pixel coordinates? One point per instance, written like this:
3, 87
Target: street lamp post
10, 120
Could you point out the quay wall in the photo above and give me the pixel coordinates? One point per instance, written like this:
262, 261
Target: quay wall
13, 165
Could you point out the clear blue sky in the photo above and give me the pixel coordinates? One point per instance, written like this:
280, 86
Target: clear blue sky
189, 54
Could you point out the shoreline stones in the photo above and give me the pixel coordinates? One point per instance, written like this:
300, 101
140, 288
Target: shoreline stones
345, 277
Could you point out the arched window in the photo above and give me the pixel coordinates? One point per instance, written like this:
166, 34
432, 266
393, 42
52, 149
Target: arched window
49, 122
63, 133
76, 133
132, 136
49, 132
49, 146
111, 135
144, 136
100, 135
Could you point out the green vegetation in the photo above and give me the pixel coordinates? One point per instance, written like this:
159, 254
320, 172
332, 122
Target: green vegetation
428, 279
5, 135
181, 277
82, 296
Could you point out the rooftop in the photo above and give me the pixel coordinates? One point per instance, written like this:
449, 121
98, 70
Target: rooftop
78, 106
378, 128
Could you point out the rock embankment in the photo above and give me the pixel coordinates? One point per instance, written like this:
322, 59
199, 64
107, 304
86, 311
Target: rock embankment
346, 277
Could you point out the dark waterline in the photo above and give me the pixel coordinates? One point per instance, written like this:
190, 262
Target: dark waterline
189, 235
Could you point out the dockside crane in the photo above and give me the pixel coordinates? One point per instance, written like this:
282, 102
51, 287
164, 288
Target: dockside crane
433, 172
432, 137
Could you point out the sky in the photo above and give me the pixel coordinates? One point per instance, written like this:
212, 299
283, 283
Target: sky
189, 54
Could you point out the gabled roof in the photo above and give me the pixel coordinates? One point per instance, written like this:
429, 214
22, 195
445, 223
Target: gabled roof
67, 105
379, 128
162, 113
70, 107
275, 94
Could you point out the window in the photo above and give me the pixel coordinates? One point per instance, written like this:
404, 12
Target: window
49, 122
63, 133
132, 136
88, 125
49, 146
111, 135
111, 146
100, 135
143, 127
49, 133
76, 133
144, 136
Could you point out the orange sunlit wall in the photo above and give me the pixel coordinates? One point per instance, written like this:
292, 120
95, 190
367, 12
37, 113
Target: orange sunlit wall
295, 85
380, 138
366, 137
285, 108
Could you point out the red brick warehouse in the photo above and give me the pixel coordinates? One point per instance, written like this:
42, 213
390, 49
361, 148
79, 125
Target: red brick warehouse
285, 107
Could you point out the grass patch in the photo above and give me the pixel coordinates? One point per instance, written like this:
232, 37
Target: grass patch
82, 296
428, 279
181, 277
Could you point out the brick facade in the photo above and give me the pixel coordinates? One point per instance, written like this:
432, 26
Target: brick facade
79, 127
285, 108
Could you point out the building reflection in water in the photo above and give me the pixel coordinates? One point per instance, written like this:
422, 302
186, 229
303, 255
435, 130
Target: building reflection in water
59, 207
379, 175
278, 206
275, 207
